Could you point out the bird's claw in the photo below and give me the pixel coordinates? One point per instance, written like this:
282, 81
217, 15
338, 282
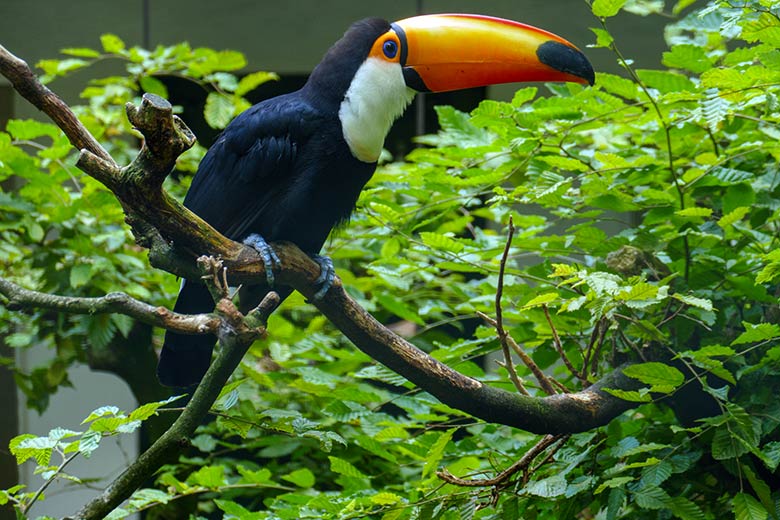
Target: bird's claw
326, 277
269, 256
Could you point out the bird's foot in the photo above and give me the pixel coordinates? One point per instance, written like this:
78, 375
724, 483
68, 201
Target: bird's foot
269, 256
327, 274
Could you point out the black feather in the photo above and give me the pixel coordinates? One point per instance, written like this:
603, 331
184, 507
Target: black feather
281, 170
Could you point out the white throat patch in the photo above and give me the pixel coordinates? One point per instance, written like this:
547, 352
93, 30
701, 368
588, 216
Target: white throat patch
375, 98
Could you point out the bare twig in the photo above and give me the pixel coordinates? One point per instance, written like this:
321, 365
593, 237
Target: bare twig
46, 484
508, 364
520, 465
558, 345
507, 342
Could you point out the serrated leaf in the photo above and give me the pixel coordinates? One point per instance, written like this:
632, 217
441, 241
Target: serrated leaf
219, 110
746, 507
101, 412
211, 477
436, 452
693, 301
652, 498
549, 487
607, 8
441, 242
542, 299
665, 81
342, 467
302, 478
694, 212
603, 40
733, 216
655, 374
757, 333
89, 442
688, 56
147, 410
385, 498
251, 81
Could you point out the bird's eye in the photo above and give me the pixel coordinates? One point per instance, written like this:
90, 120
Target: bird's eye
390, 48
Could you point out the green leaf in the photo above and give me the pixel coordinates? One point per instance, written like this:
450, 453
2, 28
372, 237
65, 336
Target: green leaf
733, 216
542, 299
441, 242
607, 8
302, 478
690, 57
655, 374
436, 452
549, 487
211, 477
666, 82
147, 410
153, 85
746, 507
399, 308
757, 333
80, 275
693, 301
603, 40
342, 467
635, 396
112, 43
694, 212
81, 52
251, 81
28, 129
219, 110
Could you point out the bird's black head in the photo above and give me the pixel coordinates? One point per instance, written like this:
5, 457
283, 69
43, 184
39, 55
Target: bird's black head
334, 74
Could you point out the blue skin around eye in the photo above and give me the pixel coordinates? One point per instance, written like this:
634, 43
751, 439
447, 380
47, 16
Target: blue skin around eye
390, 49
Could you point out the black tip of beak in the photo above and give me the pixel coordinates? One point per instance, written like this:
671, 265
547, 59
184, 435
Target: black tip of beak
566, 59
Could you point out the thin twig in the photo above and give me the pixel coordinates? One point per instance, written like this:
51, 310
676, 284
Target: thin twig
558, 345
48, 483
508, 364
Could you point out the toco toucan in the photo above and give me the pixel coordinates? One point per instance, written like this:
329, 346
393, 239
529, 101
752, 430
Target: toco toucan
291, 167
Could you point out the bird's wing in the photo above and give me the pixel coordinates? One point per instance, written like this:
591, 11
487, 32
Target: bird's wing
246, 166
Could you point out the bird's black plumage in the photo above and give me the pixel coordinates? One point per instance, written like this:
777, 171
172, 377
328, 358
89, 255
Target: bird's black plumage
281, 169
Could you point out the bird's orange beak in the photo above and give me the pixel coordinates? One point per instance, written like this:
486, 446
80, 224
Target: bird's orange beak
444, 52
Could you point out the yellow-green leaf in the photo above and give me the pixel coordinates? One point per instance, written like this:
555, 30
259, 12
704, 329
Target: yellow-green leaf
607, 8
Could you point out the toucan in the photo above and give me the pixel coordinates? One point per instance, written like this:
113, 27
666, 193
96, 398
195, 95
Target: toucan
291, 168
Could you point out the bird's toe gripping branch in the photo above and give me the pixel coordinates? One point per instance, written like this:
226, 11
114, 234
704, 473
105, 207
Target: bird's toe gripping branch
269, 256
327, 275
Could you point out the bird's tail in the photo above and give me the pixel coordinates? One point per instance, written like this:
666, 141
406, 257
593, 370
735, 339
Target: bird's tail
184, 359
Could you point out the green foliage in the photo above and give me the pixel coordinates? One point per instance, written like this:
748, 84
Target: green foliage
647, 221
66, 445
